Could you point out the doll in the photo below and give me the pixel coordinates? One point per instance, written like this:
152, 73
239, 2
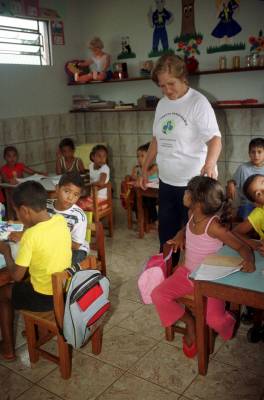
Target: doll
99, 63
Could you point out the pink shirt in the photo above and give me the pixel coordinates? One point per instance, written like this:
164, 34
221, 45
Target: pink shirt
199, 246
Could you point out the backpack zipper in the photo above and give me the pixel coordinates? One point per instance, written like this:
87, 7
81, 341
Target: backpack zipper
84, 287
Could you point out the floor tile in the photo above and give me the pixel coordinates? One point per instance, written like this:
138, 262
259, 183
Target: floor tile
167, 368
22, 366
38, 393
144, 321
120, 309
11, 384
128, 290
90, 377
129, 387
122, 348
225, 382
239, 353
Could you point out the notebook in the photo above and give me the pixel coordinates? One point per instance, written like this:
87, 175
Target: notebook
216, 267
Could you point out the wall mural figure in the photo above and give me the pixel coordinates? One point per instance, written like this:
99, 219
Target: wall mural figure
188, 42
158, 20
227, 27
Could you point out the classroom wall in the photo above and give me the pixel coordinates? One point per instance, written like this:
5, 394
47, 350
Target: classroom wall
35, 100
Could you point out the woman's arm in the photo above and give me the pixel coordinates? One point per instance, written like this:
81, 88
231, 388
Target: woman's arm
151, 155
101, 181
214, 147
107, 63
241, 231
218, 231
81, 166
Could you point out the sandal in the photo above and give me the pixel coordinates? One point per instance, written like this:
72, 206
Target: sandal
189, 351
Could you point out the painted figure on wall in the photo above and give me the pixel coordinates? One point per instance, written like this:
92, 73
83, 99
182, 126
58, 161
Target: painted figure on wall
188, 24
227, 26
158, 20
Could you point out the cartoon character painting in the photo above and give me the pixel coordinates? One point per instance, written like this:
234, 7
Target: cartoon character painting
158, 20
227, 26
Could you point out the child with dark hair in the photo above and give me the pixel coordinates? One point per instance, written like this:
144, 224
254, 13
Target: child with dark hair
68, 192
45, 248
14, 169
252, 167
204, 235
99, 173
66, 162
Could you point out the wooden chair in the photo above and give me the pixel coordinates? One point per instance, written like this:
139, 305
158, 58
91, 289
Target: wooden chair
42, 326
128, 198
188, 302
96, 242
101, 209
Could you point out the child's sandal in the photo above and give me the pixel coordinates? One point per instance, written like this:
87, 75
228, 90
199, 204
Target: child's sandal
189, 351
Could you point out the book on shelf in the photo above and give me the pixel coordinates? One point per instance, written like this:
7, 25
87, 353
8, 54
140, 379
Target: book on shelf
124, 106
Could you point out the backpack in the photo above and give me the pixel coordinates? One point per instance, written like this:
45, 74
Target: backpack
86, 302
154, 272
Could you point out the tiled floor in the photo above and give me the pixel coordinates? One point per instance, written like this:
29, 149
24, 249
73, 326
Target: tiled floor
136, 362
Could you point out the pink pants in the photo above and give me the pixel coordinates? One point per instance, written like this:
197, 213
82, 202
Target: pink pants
165, 297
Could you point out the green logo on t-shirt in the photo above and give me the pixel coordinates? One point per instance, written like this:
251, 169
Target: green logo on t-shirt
168, 126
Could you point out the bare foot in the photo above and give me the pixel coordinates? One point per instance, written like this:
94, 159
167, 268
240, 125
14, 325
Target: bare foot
6, 355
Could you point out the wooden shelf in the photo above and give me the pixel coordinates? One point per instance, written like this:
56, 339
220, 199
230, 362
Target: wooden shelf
215, 106
205, 72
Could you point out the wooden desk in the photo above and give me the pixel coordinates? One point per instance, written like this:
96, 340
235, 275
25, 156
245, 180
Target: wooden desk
149, 192
238, 288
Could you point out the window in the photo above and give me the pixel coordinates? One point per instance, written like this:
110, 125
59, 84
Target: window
24, 41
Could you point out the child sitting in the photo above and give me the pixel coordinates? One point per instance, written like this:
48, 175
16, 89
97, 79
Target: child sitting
204, 235
66, 162
253, 189
99, 63
14, 169
45, 248
68, 192
99, 173
254, 166
127, 193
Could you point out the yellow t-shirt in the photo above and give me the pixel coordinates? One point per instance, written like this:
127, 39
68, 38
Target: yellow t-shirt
45, 248
256, 218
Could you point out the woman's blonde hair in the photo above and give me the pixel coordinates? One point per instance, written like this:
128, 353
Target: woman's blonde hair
173, 65
96, 43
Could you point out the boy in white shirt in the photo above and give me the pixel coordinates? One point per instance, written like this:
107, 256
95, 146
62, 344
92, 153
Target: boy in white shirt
68, 192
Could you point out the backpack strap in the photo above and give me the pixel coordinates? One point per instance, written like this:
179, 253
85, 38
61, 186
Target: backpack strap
73, 269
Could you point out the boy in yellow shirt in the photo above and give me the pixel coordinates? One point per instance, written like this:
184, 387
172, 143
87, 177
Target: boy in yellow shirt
45, 248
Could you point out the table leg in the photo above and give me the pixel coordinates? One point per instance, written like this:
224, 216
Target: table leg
140, 214
201, 329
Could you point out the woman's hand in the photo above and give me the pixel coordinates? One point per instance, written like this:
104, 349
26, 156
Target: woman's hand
209, 170
248, 266
178, 242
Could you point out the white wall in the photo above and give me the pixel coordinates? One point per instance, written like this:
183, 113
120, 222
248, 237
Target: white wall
112, 19
34, 90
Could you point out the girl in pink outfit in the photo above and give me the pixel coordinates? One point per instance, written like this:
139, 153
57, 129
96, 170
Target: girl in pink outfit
204, 235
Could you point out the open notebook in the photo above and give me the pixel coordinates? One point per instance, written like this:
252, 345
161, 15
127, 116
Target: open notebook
216, 267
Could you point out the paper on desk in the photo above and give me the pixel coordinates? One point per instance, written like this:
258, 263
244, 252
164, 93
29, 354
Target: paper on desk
34, 177
216, 267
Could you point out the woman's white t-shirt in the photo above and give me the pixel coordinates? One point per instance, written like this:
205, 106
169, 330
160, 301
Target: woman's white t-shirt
182, 128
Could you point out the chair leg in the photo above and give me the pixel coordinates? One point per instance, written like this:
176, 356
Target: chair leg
97, 340
31, 334
110, 224
129, 217
169, 333
211, 341
65, 356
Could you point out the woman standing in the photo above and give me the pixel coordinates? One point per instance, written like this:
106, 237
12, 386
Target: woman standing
186, 142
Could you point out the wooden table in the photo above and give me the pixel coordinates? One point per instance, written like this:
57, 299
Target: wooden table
238, 288
152, 191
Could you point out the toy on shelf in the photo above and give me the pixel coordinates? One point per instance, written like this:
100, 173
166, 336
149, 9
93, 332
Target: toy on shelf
99, 63
72, 68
